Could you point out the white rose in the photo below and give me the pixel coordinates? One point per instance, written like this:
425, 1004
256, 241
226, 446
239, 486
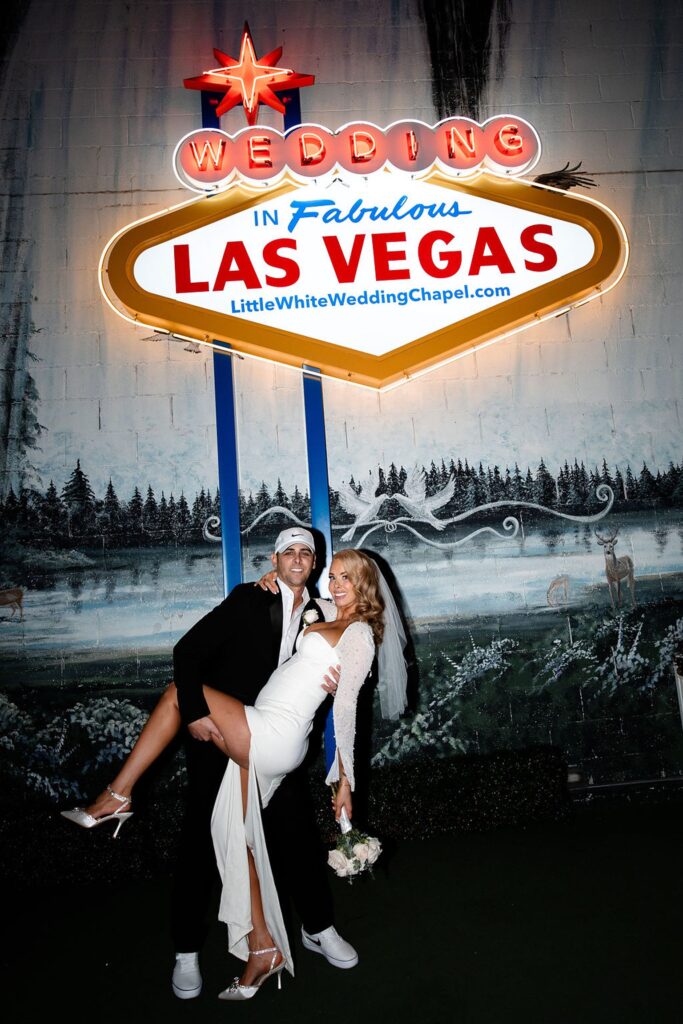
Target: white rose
374, 849
362, 852
338, 862
310, 617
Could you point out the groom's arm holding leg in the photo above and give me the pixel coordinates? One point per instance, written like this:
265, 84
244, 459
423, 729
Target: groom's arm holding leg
212, 653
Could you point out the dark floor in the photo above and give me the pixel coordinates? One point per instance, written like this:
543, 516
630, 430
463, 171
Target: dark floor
564, 923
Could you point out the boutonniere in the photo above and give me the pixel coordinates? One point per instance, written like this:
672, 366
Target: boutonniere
311, 616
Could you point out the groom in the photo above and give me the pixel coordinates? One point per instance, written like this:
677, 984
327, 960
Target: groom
235, 648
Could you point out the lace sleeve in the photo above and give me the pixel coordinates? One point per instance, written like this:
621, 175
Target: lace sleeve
355, 653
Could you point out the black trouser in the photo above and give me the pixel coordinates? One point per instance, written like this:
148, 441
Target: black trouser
294, 847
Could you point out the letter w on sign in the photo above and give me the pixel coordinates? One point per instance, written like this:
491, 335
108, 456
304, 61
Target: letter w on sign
207, 149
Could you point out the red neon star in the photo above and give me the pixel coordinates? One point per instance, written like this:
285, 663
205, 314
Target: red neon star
249, 81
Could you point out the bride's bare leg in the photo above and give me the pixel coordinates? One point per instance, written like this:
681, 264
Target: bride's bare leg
259, 936
160, 728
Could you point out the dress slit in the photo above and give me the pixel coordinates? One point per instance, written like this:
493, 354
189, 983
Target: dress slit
232, 832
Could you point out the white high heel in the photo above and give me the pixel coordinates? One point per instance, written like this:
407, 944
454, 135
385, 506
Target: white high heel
235, 991
80, 816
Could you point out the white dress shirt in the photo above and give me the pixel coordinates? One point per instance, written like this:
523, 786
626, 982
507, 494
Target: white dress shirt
290, 620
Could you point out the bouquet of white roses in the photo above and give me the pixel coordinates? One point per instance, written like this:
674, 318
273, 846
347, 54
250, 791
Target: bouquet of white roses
354, 852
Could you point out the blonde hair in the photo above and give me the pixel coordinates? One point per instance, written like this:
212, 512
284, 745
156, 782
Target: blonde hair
362, 572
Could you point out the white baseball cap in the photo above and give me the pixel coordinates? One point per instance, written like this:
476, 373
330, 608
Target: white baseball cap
294, 535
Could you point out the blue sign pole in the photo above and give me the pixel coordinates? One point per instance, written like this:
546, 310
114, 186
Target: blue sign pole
292, 101
228, 477
316, 450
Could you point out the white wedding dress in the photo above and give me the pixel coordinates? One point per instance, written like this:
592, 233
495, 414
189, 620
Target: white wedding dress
280, 723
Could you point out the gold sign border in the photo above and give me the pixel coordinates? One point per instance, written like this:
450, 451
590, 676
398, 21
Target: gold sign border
125, 294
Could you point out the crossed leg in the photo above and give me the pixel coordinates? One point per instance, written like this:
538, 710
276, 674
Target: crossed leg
235, 739
162, 726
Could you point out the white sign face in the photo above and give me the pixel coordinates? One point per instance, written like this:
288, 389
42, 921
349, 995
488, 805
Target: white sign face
368, 265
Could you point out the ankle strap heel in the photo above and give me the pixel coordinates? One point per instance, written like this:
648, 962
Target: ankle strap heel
238, 991
123, 800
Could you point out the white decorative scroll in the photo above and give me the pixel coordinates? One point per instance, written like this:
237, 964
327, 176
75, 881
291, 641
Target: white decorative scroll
510, 524
214, 522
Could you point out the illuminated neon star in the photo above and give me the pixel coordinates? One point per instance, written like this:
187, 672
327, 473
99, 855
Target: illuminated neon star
249, 80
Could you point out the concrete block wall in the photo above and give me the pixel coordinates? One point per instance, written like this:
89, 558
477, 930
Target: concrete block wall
89, 127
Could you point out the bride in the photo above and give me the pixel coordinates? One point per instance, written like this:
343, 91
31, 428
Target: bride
266, 742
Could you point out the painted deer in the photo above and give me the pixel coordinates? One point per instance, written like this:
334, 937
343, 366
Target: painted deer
558, 591
617, 569
13, 598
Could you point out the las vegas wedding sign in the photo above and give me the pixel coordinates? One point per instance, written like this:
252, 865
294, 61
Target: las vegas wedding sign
372, 254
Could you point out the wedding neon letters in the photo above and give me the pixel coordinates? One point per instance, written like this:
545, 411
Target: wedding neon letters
208, 158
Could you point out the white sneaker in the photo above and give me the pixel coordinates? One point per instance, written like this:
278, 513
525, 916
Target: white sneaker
337, 951
187, 979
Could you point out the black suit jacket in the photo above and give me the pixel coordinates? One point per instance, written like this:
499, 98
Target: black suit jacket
234, 648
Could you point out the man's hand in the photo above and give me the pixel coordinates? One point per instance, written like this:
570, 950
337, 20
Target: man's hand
204, 729
331, 679
267, 582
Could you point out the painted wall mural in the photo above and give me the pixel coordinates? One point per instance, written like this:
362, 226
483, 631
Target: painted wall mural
528, 499
528, 627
